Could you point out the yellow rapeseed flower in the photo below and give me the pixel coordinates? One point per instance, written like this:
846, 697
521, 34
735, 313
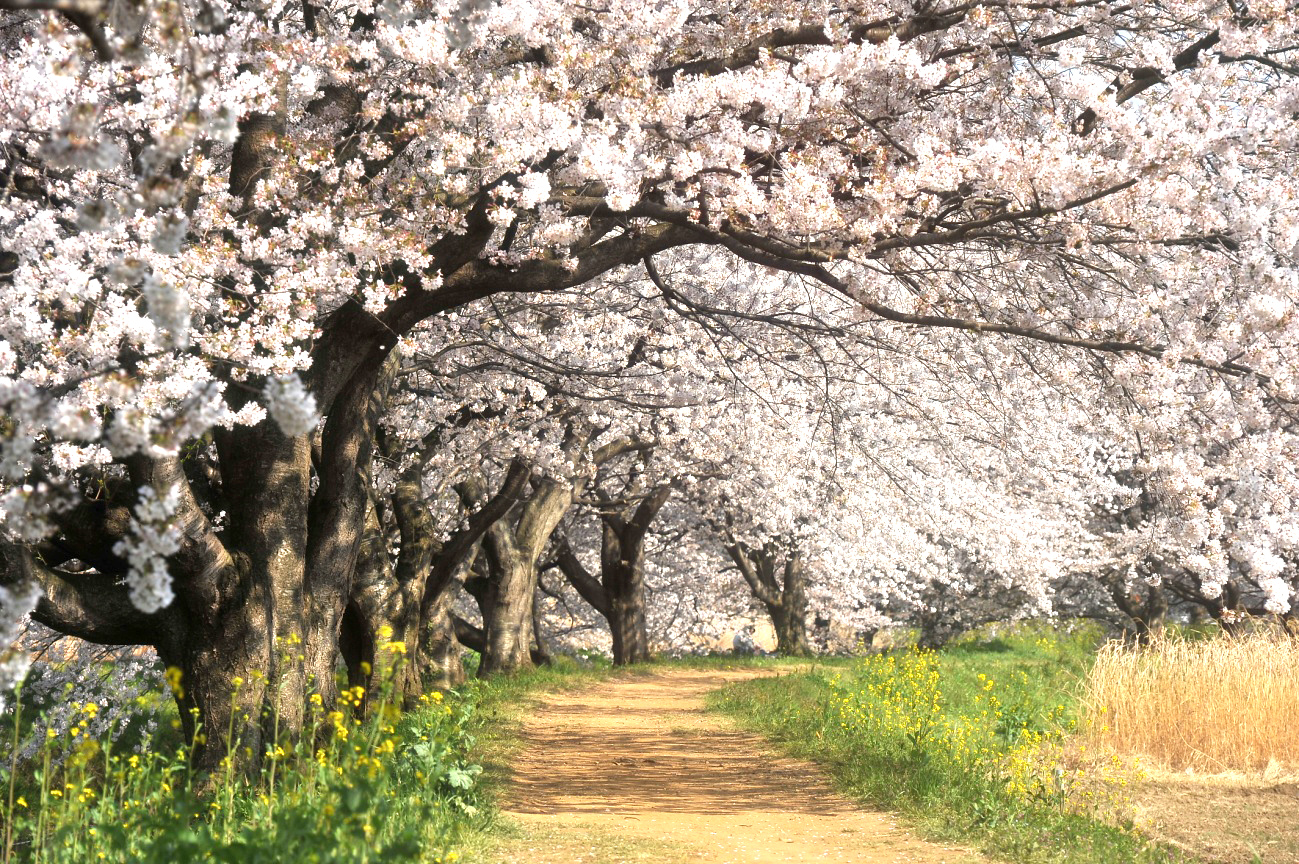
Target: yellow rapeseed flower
173, 676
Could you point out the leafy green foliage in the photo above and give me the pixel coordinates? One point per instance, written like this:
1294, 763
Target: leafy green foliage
392, 787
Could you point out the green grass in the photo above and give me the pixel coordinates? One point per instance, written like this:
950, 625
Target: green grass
390, 788
971, 744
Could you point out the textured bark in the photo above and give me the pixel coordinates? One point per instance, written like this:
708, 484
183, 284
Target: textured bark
449, 565
472, 637
409, 601
619, 594
785, 599
790, 615
337, 517
439, 658
381, 611
513, 548
540, 651
622, 572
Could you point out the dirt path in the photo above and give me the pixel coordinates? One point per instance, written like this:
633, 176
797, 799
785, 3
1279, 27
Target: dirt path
634, 769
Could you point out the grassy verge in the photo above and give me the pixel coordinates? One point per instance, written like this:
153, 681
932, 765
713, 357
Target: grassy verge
972, 745
392, 787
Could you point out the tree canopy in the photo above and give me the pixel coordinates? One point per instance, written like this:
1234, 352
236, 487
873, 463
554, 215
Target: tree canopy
307, 298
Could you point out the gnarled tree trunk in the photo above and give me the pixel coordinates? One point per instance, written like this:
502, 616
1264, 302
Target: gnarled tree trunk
408, 605
785, 600
513, 548
619, 595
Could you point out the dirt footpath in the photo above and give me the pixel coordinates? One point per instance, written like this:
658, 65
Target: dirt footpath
634, 769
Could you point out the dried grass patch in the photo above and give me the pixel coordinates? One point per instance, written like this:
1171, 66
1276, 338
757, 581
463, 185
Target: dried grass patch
1220, 705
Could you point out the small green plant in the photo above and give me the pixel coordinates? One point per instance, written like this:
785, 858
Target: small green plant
387, 786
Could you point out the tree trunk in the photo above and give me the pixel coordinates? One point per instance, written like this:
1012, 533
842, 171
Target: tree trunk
512, 554
398, 617
540, 650
440, 663
786, 603
380, 628
620, 594
789, 617
261, 629
624, 583
507, 607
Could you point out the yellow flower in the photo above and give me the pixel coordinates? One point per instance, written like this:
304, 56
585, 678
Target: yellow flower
21, 802
316, 700
173, 681
395, 647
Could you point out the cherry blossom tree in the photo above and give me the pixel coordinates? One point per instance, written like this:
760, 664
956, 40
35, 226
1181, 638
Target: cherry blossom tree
219, 219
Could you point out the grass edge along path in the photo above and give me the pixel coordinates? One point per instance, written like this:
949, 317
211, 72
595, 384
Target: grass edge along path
968, 745
501, 703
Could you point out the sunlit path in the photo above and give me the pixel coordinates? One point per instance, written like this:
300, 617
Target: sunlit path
636, 770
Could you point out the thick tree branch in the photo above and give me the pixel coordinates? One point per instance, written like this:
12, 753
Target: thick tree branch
579, 577
82, 14
740, 555
88, 605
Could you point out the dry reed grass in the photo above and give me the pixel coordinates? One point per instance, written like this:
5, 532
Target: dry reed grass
1226, 704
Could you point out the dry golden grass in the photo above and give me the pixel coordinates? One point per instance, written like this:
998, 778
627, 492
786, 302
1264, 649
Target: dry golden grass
1227, 704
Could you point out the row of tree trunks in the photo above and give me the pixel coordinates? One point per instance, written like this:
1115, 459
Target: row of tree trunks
408, 605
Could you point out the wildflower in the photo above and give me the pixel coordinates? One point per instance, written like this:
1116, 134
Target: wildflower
21, 802
173, 681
